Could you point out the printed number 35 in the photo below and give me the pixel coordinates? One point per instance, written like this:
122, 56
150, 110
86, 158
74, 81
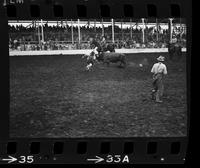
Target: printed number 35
26, 159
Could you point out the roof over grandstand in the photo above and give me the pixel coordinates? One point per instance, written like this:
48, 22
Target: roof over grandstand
98, 22
124, 20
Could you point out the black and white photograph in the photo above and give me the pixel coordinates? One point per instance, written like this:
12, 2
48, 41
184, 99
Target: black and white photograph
91, 78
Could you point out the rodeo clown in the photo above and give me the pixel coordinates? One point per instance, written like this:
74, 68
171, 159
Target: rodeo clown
159, 70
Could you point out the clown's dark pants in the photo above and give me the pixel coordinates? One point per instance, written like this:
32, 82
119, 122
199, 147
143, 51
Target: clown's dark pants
158, 87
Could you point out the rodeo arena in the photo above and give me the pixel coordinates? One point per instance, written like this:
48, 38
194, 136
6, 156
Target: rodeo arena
98, 78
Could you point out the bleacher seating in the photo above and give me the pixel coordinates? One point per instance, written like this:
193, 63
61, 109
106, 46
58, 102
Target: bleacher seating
60, 38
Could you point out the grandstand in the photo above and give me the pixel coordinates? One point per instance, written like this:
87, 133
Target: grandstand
75, 34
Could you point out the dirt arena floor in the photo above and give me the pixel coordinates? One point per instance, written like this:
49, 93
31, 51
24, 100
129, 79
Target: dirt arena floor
53, 96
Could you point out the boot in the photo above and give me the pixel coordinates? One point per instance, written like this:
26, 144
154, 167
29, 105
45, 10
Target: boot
153, 94
159, 101
158, 98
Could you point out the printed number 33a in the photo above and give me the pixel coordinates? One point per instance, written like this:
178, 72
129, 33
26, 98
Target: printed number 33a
116, 159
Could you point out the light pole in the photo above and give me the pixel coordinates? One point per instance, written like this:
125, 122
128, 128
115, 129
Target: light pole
170, 29
113, 32
72, 32
143, 30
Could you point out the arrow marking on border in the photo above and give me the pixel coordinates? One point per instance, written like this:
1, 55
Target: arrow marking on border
97, 159
10, 159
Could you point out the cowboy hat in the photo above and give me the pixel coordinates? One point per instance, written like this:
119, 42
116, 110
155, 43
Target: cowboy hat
161, 58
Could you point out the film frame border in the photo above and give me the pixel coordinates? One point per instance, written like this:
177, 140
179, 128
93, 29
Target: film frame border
46, 145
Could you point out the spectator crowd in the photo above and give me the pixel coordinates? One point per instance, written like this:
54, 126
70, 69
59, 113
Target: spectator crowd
60, 37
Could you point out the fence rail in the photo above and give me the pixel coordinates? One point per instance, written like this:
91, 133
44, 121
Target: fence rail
86, 51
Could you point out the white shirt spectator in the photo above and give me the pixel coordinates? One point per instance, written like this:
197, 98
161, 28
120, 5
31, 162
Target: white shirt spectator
137, 45
174, 40
159, 68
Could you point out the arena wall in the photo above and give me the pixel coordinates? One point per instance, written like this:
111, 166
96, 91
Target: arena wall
86, 51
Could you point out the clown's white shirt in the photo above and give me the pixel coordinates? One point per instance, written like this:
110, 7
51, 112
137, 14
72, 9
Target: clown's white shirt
159, 68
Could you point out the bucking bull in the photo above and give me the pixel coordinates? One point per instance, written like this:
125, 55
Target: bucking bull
112, 57
105, 58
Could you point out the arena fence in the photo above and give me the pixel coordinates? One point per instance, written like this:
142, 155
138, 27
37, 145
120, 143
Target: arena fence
86, 51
